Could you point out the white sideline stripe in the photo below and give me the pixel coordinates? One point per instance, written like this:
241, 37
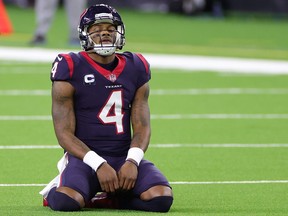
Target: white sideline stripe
163, 117
219, 64
208, 91
168, 145
161, 61
178, 183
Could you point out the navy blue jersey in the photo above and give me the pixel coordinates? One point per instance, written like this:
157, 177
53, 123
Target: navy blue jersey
102, 99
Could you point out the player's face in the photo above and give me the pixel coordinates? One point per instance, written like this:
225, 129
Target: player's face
103, 33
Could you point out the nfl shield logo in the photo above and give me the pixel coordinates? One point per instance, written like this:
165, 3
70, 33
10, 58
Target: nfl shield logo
112, 77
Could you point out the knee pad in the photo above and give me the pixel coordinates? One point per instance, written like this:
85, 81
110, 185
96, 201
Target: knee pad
160, 204
61, 202
157, 204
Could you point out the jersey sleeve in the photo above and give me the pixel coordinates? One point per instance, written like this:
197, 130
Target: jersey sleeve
145, 72
62, 68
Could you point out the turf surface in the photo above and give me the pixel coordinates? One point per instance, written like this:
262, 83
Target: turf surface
207, 179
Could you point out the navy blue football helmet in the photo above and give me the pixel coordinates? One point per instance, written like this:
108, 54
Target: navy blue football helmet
101, 13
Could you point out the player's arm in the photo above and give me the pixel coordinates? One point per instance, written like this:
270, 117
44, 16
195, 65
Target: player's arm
64, 119
140, 118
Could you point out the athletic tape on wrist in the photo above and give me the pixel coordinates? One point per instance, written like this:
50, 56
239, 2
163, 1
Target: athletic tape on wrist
136, 154
93, 160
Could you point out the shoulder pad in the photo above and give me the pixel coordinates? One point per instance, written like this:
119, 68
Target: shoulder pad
62, 68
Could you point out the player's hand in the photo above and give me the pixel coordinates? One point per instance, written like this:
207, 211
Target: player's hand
107, 177
127, 175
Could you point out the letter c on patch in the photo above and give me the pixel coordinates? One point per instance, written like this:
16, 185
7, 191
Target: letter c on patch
89, 78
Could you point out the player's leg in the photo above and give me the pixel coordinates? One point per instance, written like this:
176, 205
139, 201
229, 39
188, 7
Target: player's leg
78, 185
152, 191
74, 8
44, 11
65, 199
157, 202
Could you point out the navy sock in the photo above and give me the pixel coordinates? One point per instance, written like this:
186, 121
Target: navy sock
61, 202
157, 204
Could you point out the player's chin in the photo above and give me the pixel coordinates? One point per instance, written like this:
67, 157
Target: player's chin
107, 42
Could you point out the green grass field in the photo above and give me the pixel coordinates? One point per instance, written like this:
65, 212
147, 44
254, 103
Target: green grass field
229, 164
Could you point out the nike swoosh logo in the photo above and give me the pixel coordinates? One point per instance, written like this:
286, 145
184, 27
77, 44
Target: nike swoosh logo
59, 58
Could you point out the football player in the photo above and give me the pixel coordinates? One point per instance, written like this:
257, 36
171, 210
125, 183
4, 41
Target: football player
97, 96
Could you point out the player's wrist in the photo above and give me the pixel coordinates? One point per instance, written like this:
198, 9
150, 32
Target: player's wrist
136, 154
93, 160
132, 161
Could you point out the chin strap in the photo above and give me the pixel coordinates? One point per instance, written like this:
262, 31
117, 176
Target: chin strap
104, 50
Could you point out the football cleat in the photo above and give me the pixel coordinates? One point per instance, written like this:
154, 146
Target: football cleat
45, 202
38, 41
103, 200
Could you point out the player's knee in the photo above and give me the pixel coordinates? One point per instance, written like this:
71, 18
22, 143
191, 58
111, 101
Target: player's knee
61, 202
161, 203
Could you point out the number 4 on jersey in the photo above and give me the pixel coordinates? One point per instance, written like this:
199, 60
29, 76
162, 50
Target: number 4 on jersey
54, 69
111, 112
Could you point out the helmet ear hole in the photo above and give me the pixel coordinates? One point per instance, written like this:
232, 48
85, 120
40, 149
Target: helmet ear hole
96, 14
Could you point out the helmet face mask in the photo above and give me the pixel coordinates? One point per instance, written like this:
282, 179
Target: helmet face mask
103, 37
98, 14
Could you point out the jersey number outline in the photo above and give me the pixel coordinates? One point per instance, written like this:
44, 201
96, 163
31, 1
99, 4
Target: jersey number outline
111, 112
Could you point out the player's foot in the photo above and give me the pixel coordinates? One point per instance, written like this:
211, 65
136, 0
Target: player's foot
38, 40
103, 200
45, 202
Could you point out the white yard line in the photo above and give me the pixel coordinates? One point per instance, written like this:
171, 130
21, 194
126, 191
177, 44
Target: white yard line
23, 92
230, 182
178, 62
19, 147
25, 118
217, 145
218, 116
219, 91
23, 185
192, 91
161, 117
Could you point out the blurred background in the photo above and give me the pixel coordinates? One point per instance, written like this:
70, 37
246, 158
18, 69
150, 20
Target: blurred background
190, 7
246, 28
